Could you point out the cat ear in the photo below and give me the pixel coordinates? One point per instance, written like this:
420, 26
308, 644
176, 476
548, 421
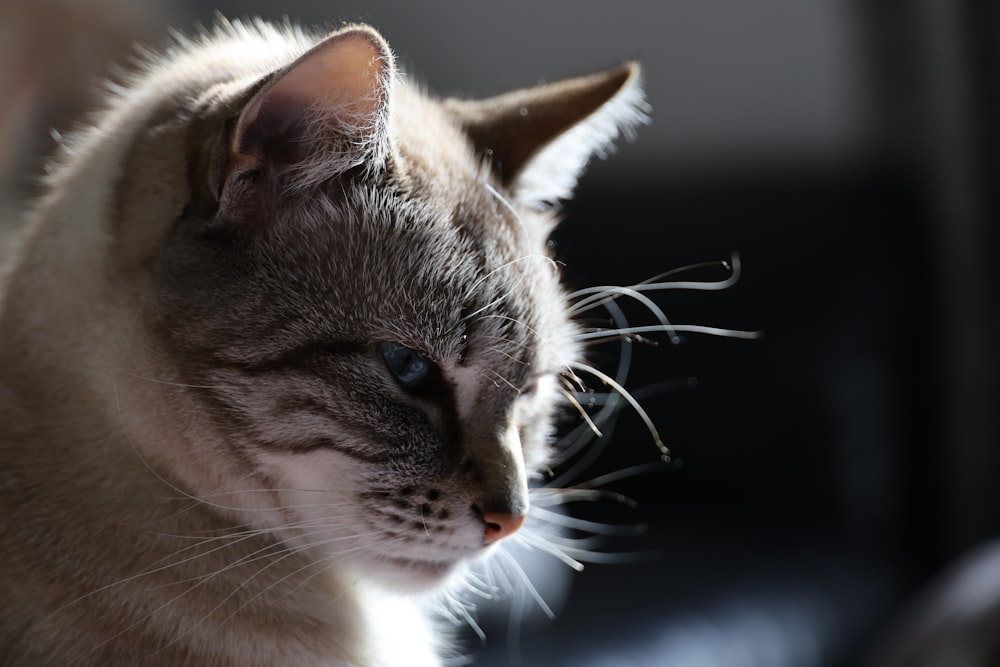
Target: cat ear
539, 139
322, 115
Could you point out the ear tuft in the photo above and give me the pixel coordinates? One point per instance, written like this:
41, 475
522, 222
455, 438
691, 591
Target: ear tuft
321, 116
539, 139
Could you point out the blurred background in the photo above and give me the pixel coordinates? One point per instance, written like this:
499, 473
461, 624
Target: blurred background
823, 474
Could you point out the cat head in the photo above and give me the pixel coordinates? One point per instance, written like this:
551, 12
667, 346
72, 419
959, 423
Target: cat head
356, 330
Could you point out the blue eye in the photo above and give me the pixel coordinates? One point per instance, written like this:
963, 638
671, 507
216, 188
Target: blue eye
410, 368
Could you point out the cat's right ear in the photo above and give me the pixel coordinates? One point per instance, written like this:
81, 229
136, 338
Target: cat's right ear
321, 116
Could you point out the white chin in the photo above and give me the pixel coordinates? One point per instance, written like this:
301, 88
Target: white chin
408, 575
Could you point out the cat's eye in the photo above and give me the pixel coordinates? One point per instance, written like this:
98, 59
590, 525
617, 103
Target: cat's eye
410, 368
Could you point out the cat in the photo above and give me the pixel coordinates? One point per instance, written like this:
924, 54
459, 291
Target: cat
280, 352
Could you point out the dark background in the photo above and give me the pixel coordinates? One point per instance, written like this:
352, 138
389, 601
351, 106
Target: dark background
846, 151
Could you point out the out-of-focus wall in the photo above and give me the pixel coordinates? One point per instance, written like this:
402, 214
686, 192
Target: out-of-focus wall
53, 53
728, 80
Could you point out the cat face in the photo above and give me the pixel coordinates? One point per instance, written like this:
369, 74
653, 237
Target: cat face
357, 309
388, 373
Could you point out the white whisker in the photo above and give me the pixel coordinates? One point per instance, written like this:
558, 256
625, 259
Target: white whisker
583, 413
553, 497
511, 288
515, 567
546, 545
502, 379
671, 329
607, 379
596, 296
559, 519
167, 382
645, 301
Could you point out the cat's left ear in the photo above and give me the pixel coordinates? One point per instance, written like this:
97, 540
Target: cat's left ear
539, 139
321, 116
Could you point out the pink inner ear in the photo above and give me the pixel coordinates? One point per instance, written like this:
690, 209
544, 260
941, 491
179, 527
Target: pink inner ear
344, 75
341, 81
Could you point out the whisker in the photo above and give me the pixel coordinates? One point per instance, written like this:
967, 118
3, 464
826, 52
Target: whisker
624, 473
296, 489
672, 330
607, 379
502, 379
519, 281
591, 398
546, 545
279, 556
507, 354
504, 556
726, 265
572, 382
466, 615
597, 296
552, 497
135, 449
506, 203
559, 519
281, 580
650, 305
583, 413
583, 436
167, 382
610, 557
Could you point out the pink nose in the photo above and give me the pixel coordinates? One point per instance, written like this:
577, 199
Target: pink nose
500, 525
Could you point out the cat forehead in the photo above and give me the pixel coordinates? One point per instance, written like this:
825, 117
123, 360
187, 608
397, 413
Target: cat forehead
435, 163
426, 269
429, 140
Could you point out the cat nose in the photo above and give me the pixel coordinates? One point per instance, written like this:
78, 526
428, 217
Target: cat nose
500, 525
